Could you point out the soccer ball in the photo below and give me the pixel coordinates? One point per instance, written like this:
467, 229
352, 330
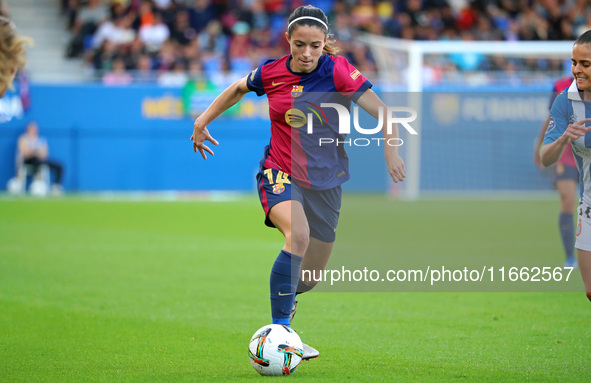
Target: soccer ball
275, 350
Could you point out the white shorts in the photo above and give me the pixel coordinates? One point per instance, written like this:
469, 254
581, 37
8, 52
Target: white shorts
583, 231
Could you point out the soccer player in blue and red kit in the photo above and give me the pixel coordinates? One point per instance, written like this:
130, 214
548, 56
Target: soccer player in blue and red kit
566, 177
299, 181
570, 116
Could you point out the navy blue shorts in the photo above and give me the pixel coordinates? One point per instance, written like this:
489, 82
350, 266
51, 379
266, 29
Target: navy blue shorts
562, 172
322, 207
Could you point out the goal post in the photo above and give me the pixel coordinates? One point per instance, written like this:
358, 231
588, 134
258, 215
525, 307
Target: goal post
403, 65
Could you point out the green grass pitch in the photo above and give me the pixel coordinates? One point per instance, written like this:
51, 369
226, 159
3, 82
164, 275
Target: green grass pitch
97, 291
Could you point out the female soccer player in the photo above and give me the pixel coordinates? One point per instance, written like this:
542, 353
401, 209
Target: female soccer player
568, 117
566, 177
300, 181
12, 53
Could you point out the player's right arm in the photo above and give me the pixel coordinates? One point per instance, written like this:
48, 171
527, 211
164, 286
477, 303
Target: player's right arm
552, 151
223, 102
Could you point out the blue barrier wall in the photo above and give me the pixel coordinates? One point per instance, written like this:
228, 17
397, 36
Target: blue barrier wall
134, 138
137, 138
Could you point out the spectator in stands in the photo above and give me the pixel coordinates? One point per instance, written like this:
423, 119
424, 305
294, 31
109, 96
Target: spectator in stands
118, 31
12, 53
154, 33
144, 70
118, 75
244, 32
166, 57
32, 150
176, 77
181, 30
212, 42
86, 23
240, 47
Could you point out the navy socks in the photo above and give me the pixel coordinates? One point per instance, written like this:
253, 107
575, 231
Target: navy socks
285, 275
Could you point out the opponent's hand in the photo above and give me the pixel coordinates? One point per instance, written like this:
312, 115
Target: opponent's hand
395, 166
199, 137
576, 130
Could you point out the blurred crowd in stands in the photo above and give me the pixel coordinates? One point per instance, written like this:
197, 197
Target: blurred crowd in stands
218, 41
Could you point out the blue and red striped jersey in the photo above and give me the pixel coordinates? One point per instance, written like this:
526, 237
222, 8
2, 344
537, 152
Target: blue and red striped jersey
293, 98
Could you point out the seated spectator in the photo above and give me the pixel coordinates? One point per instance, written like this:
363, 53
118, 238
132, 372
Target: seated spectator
176, 77
212, 41
144, 71
181, 30
154, 34
118, 75
33, 150
118, 31
240, 45
87, 21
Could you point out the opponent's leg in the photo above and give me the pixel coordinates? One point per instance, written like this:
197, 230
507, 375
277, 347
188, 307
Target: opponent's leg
313, 266
567, 190
315, 260
585, 268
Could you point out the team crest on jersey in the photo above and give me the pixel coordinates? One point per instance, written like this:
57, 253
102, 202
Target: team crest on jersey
551, 124
578, 228
278, 188
297, 90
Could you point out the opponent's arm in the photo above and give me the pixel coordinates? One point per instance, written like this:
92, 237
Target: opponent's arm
552, 151
223, 102
371, 103
539, 142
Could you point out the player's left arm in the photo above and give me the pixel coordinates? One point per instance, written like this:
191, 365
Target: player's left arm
371, 103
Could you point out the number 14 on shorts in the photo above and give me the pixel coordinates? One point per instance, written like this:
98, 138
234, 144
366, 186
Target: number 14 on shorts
281, 178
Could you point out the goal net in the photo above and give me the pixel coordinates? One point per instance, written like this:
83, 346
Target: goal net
480, 108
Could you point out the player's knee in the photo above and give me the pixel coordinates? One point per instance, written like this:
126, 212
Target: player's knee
300, 241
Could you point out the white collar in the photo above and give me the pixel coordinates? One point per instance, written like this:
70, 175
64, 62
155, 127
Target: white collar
573, 92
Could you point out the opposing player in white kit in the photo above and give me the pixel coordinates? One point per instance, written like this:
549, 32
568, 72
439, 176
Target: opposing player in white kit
570, 114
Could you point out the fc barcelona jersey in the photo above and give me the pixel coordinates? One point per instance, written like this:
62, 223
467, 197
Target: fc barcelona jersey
299, 123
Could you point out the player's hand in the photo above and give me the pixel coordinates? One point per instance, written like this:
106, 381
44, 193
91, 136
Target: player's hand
395, 166
576, 130
200, 135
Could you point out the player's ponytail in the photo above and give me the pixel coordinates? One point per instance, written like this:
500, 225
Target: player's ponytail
313, 17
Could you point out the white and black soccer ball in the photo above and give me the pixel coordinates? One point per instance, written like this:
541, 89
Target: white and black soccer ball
275, 350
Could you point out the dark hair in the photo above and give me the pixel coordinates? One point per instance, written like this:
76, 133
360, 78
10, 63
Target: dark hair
311, 11
584, 38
